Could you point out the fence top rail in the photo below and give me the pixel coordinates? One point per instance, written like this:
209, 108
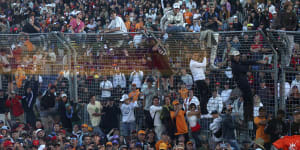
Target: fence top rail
156, 32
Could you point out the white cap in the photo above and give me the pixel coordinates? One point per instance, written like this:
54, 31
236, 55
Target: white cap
234, 16
124, 97
64, 95
235, 53
38, 130
176, 5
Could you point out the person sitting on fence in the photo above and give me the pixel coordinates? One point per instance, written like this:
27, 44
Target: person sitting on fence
172, 21
116, 25
77, 26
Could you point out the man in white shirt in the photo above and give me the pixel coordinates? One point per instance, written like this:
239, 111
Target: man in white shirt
128, 118
94, 109
187, 79
155, 110
106, 87
296, 82
198, 71
215, 103
119, 79
116, 25
225, 94
136, 78
191, 99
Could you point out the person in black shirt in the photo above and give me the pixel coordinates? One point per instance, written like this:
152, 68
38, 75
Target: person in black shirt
211, 20
110, 119
237, 26
277, 127
3, 109
295, 127
239, 70
33, 27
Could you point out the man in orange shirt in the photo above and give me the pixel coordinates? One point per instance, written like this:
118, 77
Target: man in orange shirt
135, 93
261, 122
188, 16
140, 24
178, 114
164, 139
127, 22
183, 91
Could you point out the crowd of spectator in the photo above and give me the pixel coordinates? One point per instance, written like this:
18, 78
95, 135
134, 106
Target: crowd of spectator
123, 101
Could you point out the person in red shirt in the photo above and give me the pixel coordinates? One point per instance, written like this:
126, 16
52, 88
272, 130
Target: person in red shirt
13, 102
287, 143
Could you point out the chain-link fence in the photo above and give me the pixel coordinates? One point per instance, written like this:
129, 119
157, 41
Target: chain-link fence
112, 64
287, 44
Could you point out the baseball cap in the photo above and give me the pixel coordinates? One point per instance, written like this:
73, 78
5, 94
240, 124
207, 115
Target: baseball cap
163, 146
38, 130
115, 142
176, 5
214, 112
108, 143
1, 121
4, 128
189, 142
84, 126
64, 95
124, 97
234, 16
175, 102
141, 132
138, 144
235, 53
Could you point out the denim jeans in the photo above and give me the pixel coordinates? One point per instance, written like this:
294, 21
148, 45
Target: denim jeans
127, 128
175, 29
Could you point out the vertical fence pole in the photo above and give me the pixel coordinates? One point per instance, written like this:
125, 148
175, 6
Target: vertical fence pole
275, 70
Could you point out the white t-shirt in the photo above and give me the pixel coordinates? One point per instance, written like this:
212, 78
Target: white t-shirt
226, 94
192, 119
128, 112
189, 101
106, 85
117, 22
198, 69
97, 108
157, 109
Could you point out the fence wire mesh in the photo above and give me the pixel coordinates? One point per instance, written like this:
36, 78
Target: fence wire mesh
108, 65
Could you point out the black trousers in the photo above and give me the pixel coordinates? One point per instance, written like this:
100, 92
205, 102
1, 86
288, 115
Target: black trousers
248, 101
202, 93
